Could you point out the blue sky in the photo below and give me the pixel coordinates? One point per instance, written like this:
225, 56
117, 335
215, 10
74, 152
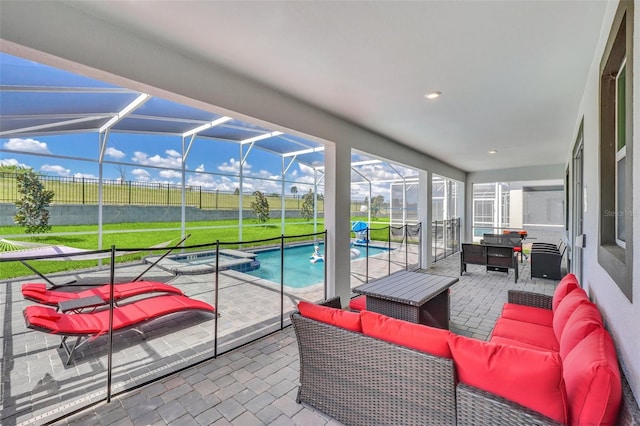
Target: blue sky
212, 164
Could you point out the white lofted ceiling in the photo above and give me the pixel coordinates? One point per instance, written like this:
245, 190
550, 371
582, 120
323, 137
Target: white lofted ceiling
511, 73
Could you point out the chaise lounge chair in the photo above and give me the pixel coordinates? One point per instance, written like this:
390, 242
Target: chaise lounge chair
91, 325
38, 292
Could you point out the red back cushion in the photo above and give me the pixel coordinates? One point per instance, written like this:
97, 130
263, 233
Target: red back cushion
528, 314
338, 317
415, 336
566, 285
585, 319
592, 377
530, 378
566, 307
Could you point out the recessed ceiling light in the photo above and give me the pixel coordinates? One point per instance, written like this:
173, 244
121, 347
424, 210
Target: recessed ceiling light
493, 151
433, 95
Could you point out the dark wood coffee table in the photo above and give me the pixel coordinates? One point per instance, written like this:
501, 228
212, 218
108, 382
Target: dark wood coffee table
411, 296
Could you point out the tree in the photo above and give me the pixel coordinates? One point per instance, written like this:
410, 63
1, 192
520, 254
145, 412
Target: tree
294, 191
236, 191
122, 171
11, 168
308, 205
260, 207
377, 203
32, 210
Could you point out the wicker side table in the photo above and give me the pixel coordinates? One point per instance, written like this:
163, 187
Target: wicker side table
411, 296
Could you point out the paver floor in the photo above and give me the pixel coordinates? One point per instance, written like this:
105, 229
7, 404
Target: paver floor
257, 383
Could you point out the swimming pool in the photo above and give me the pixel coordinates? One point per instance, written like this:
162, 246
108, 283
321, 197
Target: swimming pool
299, 272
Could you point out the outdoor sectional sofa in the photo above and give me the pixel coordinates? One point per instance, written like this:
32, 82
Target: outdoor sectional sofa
549, 361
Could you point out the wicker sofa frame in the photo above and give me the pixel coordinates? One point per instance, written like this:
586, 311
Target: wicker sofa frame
360, 380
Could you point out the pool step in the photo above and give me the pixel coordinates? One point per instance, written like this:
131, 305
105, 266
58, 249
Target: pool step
238, 253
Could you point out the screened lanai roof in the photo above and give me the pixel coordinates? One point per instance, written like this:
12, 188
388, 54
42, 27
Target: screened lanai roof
38, 100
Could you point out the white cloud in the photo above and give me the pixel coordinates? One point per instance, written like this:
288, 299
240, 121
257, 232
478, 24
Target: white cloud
233, 166
29, 145
141, 175
84, 175
200, 168
59, 170
170, 174
173, 160
12, 162
114, 153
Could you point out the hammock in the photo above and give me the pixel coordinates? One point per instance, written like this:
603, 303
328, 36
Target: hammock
23, 251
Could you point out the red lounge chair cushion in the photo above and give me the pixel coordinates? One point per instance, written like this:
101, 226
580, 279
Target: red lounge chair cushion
530, 378
592, 377
528, 314
582, 322
358, 303
39, 293
526, 332
343, 319
566, 285
415, 336
48, 320
566, 307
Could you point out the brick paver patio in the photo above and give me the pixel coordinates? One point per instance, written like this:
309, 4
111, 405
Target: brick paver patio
257, 383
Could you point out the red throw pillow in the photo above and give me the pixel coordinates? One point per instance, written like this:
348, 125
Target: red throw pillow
415, 336
585, 319
592, 377
566, 285
565, 309
530, 378
358, 303
344, 319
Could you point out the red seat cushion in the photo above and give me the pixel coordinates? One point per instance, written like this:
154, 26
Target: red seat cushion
566, 307
358, 303
593, 382
518, 343
566, 285
526, 332
528, 314
343, 319
583, 321
528, 377
415, 336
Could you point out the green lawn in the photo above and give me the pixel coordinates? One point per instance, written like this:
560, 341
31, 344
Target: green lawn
144, 235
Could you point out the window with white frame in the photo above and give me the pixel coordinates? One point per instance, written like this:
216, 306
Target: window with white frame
615, 245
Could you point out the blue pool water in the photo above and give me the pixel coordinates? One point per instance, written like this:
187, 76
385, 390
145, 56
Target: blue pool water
299, 272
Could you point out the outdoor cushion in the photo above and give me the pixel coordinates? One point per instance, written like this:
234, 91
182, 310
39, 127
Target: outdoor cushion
338, 317
592, 378
526, 332
358, 303
528, 314
530, 378
585, 319
46, 319
566, 307
415, 336
566, 285
518, 343
38, 292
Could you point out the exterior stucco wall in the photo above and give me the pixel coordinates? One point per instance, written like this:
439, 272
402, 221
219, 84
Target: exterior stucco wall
620, 314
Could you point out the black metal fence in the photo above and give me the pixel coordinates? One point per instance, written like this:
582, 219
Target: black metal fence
82, 190
445, 236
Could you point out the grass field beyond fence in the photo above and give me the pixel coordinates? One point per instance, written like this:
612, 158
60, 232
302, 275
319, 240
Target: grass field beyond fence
149, 234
